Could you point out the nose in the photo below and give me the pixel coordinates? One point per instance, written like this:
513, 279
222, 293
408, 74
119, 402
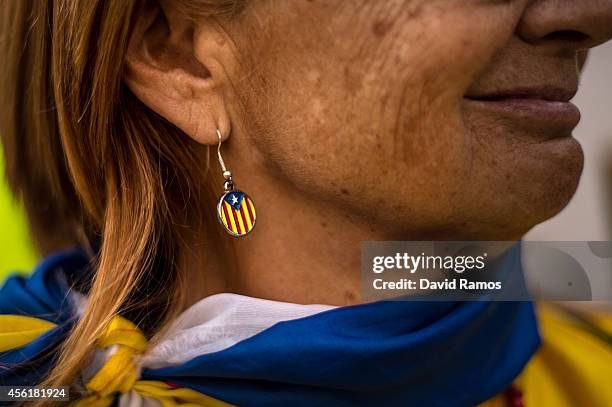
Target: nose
567, 24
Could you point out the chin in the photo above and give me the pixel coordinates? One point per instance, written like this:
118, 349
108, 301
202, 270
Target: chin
553, 185
546, 187
522, 184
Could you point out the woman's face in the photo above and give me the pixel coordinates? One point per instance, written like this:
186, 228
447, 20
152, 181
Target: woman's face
433, 118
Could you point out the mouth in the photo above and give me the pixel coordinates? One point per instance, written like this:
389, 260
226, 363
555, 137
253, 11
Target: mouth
542, 107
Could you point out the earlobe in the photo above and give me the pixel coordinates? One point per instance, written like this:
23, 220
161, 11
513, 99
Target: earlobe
162, 70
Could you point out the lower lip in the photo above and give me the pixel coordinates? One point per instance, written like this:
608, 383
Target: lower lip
542, 113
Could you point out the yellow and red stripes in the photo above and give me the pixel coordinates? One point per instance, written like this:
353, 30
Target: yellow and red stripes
238, 222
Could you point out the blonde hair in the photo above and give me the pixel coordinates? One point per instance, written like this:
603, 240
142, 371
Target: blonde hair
92, 163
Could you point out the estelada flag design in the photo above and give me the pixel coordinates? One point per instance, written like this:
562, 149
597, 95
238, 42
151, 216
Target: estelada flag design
237, 213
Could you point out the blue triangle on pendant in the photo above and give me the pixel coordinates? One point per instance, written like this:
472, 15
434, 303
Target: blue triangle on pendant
235, 199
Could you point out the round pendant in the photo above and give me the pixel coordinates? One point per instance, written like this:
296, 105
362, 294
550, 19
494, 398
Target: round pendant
236, 213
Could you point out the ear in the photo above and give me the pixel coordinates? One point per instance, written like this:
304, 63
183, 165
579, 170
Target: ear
177, 69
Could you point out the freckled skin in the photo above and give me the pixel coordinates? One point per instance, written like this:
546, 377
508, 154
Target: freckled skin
349, 123
367, 98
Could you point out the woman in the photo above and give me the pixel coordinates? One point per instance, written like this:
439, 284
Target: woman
343, 122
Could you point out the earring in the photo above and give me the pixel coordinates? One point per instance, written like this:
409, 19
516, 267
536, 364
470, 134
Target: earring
235, 210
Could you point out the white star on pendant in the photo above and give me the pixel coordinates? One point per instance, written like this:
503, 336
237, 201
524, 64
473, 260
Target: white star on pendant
234, 200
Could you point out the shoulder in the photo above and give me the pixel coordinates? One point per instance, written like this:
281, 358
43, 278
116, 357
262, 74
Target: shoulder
574, 364
36, 312
43, 293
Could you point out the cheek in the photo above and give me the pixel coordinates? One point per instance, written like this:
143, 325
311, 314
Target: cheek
379, 115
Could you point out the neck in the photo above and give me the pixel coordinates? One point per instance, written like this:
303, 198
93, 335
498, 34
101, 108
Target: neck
300, 251
303, 249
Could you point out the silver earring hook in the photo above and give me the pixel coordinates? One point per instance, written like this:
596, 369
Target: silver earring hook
221, 162
229, 184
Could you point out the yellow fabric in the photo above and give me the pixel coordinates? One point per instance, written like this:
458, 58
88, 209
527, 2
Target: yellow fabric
602, 320
120, 371
171, 397
572, 368
497, 401
18, 330
120, 331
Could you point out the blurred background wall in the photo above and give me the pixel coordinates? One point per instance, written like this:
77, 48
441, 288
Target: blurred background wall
16, 250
